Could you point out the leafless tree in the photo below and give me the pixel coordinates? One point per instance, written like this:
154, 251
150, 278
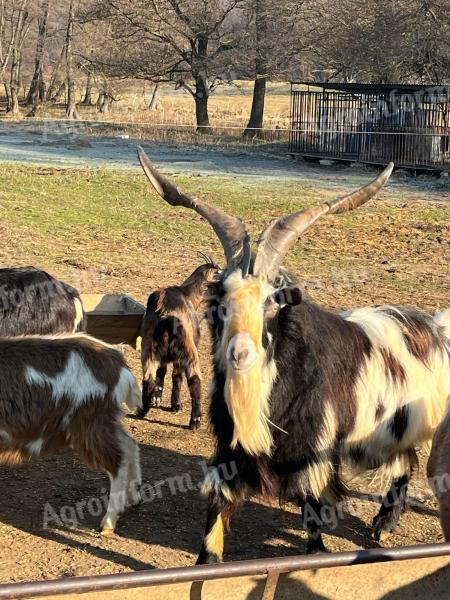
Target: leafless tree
36, 93
180, 41
71, 108
13, 28
279, 34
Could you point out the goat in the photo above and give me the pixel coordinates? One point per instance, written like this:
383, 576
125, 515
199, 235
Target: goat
66, 392
298, 390
34, 302
171, 334
438, 468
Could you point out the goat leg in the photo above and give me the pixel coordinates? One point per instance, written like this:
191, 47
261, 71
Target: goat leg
159, 386
394, 504
311, 515
194, 383
177, 380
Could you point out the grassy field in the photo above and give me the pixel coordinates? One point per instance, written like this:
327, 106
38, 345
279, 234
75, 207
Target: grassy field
104, 231
107, 223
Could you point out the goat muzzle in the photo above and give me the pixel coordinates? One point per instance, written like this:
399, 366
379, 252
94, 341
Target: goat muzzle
241, 352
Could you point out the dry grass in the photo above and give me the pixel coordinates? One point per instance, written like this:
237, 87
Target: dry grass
174, 119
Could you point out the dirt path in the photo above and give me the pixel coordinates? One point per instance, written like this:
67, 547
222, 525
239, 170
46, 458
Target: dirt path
62, 145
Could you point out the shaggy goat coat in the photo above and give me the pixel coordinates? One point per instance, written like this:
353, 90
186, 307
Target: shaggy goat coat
34, 302
66, 392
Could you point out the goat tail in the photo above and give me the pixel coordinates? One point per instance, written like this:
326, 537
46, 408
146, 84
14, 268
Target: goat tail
443, 320
128, 391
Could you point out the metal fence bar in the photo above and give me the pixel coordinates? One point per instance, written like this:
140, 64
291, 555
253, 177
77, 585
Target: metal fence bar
199, 573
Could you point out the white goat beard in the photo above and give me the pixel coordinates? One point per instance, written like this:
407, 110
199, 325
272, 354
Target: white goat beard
247, 398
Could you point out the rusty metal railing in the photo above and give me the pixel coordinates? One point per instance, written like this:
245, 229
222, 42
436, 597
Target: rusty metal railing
272, 568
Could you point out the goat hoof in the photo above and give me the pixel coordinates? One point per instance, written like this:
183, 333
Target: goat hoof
194, 425
107, 532
175, 408
210, 559
316, 547
383, 527
140, 414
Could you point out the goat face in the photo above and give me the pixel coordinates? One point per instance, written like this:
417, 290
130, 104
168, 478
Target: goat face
245, 311
251, 307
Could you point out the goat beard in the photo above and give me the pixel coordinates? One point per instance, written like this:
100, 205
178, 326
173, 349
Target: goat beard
247, 398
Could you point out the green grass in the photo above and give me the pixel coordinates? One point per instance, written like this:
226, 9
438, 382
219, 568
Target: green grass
111, 223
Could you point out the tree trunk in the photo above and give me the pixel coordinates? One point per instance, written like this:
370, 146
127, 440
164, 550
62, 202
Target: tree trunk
104, 103
36, 93
201, 112
254, 126
200, 73
87, 100
52, 90
57, 92
14, 82
255, 123
154, 102
71, 108
7, 95
100, 101
13, 104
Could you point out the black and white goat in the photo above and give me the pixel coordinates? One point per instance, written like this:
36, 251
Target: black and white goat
171, 334
34, 302
66, 392
298, 390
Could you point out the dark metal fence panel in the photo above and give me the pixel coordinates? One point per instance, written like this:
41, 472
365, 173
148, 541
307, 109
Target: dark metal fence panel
410, 128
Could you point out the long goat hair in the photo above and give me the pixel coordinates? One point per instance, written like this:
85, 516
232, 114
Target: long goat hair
66, 392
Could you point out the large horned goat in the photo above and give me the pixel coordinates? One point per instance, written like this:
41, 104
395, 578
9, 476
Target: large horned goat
298, 390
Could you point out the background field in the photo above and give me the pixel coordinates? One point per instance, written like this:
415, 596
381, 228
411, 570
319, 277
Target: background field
174, 118
104, 231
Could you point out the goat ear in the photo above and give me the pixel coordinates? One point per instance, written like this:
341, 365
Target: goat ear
288, 296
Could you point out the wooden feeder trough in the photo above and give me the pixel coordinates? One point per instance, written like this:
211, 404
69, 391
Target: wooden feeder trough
114, 318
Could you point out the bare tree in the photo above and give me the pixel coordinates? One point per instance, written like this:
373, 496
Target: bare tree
13, 27
71, 108
254, 127
36, 93
383, 41
278, 35
154, 101
87, 98
181, 41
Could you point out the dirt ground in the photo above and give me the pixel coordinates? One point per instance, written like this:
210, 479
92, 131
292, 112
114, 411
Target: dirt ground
167, 530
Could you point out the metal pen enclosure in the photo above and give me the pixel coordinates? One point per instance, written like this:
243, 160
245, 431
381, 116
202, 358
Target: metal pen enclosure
406, 124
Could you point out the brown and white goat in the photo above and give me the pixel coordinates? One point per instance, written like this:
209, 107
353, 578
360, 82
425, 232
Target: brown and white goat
297, 390
171, 334
438, 468
66, 392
